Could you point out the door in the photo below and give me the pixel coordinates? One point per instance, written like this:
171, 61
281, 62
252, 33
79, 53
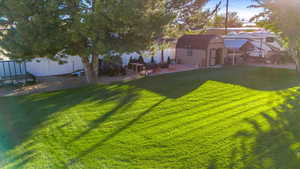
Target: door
219, 56
212, 57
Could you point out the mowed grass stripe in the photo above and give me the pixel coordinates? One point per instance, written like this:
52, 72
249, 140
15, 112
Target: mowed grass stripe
196, 119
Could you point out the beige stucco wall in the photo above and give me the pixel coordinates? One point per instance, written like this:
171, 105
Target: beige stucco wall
197, 58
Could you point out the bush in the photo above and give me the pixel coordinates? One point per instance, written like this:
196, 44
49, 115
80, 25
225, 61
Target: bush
141, 60
169, 60
281, 58
112, 70
112, 66
130, 62
115, 59
152, 60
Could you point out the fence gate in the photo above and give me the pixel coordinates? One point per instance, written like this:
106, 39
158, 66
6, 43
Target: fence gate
12, 72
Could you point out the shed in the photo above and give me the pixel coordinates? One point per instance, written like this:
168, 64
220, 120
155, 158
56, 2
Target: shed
200, 50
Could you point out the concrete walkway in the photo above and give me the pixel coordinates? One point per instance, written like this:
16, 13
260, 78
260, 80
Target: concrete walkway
176, 68
53, 83
286, 66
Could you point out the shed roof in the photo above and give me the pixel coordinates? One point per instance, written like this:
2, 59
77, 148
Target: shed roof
195, 41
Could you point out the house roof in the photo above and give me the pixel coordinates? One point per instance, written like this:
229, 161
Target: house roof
261, 45
195, 41
235, 43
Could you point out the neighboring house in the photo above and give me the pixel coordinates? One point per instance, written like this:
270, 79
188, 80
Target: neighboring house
221, 31
264, 44
236, 50
200, 50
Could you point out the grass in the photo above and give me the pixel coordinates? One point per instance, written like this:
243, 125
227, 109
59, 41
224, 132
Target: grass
230, 118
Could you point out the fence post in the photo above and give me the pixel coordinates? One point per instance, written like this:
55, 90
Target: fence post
9, 72
3, 69
25, 69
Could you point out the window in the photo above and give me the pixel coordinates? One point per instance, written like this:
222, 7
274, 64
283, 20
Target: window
270, 39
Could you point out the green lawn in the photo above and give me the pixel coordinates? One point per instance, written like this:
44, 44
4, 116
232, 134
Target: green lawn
230, 118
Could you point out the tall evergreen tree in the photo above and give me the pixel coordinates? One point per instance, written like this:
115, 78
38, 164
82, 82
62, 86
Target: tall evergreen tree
85, 28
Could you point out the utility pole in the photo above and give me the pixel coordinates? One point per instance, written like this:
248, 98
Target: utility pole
226, 20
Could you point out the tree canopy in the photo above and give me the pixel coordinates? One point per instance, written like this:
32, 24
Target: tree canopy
58, 28
85, 28
233, 20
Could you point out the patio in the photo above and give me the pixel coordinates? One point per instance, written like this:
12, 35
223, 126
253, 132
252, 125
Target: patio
53, 83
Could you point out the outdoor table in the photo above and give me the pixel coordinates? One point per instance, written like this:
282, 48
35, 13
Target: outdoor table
137, 67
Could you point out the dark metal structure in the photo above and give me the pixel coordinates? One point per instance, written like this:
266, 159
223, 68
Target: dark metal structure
226, 19
13, 72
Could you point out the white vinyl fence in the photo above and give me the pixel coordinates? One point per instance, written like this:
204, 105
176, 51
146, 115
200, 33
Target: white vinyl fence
170, 52
47, 67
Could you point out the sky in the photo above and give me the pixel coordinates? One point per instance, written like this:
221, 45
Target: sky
239, 6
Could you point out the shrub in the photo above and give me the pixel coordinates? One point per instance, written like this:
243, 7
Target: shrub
112, 66
130, 62
116, 59
152, 60
169, 60
141, 60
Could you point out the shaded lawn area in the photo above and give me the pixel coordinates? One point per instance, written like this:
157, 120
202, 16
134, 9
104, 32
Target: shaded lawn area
231, 118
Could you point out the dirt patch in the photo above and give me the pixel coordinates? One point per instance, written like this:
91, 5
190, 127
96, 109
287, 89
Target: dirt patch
44, 84
53, 83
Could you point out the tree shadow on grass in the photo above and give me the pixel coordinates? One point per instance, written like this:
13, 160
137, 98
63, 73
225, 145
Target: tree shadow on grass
113, 134
277, 147
176, 85
19, 116
124, 103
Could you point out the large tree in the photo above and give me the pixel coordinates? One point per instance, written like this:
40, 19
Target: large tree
282, 17
87, 28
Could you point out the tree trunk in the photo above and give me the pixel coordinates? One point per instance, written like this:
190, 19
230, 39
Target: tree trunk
297, 61
95, 63
91, 73
295, 54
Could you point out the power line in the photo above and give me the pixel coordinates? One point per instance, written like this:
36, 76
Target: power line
226, 20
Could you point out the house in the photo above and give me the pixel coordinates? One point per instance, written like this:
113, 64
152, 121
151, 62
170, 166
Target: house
221, 31
200, 50
263, 43
236, 50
